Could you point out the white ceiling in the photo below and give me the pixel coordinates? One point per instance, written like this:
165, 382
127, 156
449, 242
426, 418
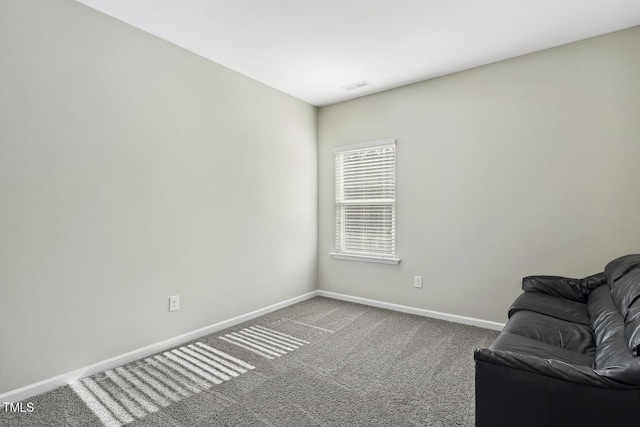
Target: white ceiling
310, 49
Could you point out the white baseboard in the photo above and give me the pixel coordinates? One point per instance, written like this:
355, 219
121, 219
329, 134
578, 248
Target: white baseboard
413, 310
30, 390
63, 379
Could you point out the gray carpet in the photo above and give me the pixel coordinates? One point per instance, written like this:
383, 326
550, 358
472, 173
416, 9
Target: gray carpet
321, 362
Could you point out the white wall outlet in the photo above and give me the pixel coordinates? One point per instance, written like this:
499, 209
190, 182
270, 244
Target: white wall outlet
174, 303
417, 281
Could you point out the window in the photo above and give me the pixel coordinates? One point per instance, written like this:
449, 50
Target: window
366, 202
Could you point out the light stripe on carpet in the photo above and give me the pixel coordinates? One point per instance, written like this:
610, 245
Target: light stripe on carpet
120, 396
266, 342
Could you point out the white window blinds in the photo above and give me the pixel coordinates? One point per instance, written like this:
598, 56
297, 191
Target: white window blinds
365, 199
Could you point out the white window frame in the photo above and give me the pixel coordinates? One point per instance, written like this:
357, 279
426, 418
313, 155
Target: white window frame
341, 251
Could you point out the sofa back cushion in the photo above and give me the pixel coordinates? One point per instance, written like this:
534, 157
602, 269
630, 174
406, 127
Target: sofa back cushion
621, 266
625, 291
623, 277
632, 328
608, 328
613, 359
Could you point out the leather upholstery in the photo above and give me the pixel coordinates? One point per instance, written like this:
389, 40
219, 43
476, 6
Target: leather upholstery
568, 356
626, 290
620, 266
573, 289
556, 332
551, 305
632, 328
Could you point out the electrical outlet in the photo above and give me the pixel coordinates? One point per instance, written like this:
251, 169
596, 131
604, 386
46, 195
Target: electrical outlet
174, 303
417, 281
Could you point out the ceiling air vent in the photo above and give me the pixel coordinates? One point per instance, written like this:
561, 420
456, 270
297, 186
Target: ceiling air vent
358, 85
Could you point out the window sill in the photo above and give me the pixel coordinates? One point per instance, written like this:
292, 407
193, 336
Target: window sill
365, 258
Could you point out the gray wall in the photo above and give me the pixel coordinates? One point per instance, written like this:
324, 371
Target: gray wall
132, 170
527, 166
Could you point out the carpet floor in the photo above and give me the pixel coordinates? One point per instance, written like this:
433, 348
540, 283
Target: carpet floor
321, 362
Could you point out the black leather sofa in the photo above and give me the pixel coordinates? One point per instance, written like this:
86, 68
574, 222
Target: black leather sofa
569, 354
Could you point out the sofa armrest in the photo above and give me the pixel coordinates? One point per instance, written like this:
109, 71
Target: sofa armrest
573, 289
547, 367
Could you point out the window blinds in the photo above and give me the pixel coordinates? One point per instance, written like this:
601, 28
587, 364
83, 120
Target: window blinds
365, 199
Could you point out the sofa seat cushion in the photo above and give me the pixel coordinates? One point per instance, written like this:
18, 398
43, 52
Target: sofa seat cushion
550, 330
515, 343
553, 306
